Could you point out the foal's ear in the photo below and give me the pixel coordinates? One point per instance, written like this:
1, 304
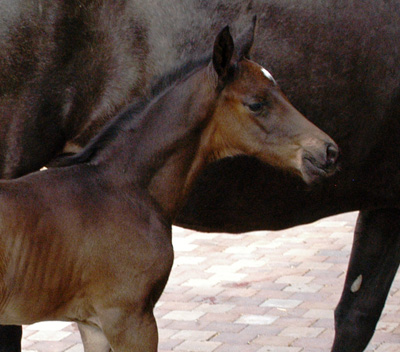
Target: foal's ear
245, 41
222, 54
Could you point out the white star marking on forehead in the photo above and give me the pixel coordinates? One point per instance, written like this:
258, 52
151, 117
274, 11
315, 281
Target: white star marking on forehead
267, 74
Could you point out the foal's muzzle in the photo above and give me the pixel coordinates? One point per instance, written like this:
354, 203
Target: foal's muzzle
320, 162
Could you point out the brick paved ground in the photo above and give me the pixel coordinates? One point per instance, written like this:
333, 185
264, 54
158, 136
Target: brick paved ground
262, 291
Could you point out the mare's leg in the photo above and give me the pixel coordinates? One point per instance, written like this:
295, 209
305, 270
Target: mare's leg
132, 332
10, 338
373, 264
93, 338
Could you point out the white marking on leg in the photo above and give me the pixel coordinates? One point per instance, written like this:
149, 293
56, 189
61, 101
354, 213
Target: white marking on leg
268, 75
356, 284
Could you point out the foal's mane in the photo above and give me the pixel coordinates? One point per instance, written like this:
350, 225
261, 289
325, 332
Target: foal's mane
130, 117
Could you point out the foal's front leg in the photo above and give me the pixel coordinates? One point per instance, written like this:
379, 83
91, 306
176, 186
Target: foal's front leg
373, 265
132, 332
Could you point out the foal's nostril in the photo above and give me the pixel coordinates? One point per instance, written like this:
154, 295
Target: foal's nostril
332, 154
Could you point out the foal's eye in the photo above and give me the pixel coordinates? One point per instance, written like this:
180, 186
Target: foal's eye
256, 107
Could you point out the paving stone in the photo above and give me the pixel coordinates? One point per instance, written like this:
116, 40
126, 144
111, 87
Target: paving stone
187, 260
222, 269
319, 314
279, 349
294, 320
334, 224
49, 335
281, 303
294, 280
226, 347
277, 341
387, 347
224, 317
76, 348
183, 315
215, 308
199, 283
239, 249
194, 335
256, 320
300, 252
197, 346
48, 326
299, 331
243, 338
303, 288
227, 276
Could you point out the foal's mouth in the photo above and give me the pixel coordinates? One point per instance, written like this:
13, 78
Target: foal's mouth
317, 170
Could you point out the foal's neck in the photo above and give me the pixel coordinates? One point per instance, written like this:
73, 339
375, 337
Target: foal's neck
167, 155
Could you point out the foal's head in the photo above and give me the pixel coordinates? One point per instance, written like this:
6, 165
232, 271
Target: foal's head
253, 117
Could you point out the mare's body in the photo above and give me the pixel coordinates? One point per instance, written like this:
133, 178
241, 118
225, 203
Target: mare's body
66, 67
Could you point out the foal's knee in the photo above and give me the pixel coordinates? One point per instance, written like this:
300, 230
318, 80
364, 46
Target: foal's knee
93, 338
134, 332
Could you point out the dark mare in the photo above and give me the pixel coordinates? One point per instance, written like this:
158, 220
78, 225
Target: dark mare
67, 66
109, 214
